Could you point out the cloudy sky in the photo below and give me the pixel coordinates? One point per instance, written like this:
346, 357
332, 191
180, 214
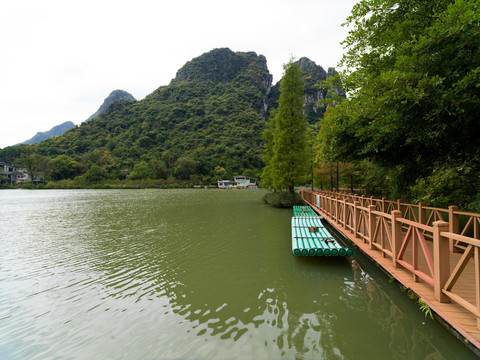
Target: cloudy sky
60, 59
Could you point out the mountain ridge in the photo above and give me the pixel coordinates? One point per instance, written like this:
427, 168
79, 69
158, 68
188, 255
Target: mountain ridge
115, 95
57, 130
211, 116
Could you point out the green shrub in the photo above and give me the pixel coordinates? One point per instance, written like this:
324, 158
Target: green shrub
283, 199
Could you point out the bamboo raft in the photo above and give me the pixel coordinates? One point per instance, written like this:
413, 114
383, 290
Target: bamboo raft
311, 238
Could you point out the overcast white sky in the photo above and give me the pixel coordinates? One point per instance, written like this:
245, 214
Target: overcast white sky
60, 59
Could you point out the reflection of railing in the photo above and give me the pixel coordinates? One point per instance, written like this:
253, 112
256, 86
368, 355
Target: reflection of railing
417, 238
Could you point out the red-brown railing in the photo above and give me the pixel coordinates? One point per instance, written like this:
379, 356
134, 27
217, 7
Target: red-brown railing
393, 227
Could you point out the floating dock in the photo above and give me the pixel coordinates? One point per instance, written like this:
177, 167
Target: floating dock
311, 238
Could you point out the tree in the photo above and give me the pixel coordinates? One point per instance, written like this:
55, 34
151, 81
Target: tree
186, 166
219, 172
63, 167
268, 136
159, 169
286, 152
412, 75
141, 171
95, 173
34, 163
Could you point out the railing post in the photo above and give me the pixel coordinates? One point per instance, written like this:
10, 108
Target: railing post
399, 205
336, 209
476, 257
371, 225
453, 226
345, 217
422, 213
441, 260
396, 236
356, 217
384, 199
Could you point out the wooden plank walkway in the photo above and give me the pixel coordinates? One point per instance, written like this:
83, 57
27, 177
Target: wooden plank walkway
456, 318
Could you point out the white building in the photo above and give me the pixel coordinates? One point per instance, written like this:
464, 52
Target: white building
238, 182
8, 173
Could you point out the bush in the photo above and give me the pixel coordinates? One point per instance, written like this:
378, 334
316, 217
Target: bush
283, 199
95, 173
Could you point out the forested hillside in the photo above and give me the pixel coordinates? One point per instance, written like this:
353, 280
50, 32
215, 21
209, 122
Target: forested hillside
116, 95
211, 116
410, 123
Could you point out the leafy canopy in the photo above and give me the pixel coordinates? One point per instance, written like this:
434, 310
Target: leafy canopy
412, 76
286, 151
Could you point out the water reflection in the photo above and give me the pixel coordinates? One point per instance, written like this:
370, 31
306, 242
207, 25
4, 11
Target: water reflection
188, 274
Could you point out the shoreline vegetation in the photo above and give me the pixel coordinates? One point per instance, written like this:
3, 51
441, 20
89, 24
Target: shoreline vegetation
111, 184
283, 199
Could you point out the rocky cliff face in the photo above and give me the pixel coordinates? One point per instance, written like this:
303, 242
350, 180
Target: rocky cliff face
338, 90
116, 95
54, 131
224, 66
313, 76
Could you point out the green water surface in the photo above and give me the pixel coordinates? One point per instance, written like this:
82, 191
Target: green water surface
190, 274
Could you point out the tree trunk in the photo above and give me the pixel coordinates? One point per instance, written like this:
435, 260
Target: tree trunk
337, 176
311, 168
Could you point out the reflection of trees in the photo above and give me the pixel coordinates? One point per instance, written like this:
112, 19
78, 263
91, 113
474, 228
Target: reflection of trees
389, 317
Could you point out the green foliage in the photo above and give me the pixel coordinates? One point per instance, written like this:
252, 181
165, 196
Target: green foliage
425, 308
449, 181
268, 137
219, 172
414, 92
141, 171
211, 115
186, 167
159, 169
286, 151
63, 167
95, 173
283, 199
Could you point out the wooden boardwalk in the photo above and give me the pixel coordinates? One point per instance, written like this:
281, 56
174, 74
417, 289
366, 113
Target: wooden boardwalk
453, 296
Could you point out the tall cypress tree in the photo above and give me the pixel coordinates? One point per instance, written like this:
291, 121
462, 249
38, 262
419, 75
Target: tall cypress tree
287, 164
268, 136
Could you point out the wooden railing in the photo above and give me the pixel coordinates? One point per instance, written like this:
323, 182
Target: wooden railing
428, 233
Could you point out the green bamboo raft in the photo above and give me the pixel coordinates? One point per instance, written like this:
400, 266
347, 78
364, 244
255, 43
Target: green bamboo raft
304, 211
310, 238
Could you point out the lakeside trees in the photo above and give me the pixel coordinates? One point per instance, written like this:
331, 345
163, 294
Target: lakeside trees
286, 149
412, 75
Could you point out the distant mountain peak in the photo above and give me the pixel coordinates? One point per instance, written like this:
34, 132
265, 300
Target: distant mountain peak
54, 131
219, 65
116, 95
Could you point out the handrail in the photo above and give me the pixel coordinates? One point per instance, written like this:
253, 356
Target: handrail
416, 224
391, 233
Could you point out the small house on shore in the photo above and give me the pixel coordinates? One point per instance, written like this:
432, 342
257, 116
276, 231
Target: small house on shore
8, 173
238, 182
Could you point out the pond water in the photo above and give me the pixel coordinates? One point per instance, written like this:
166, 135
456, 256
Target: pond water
190, 274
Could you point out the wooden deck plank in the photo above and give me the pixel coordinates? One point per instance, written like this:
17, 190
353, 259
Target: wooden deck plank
464, 322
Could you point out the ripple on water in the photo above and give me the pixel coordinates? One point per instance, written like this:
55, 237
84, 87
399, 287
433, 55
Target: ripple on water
181, 274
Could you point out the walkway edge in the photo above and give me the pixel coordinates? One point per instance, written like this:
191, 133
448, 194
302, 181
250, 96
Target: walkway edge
444, 319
